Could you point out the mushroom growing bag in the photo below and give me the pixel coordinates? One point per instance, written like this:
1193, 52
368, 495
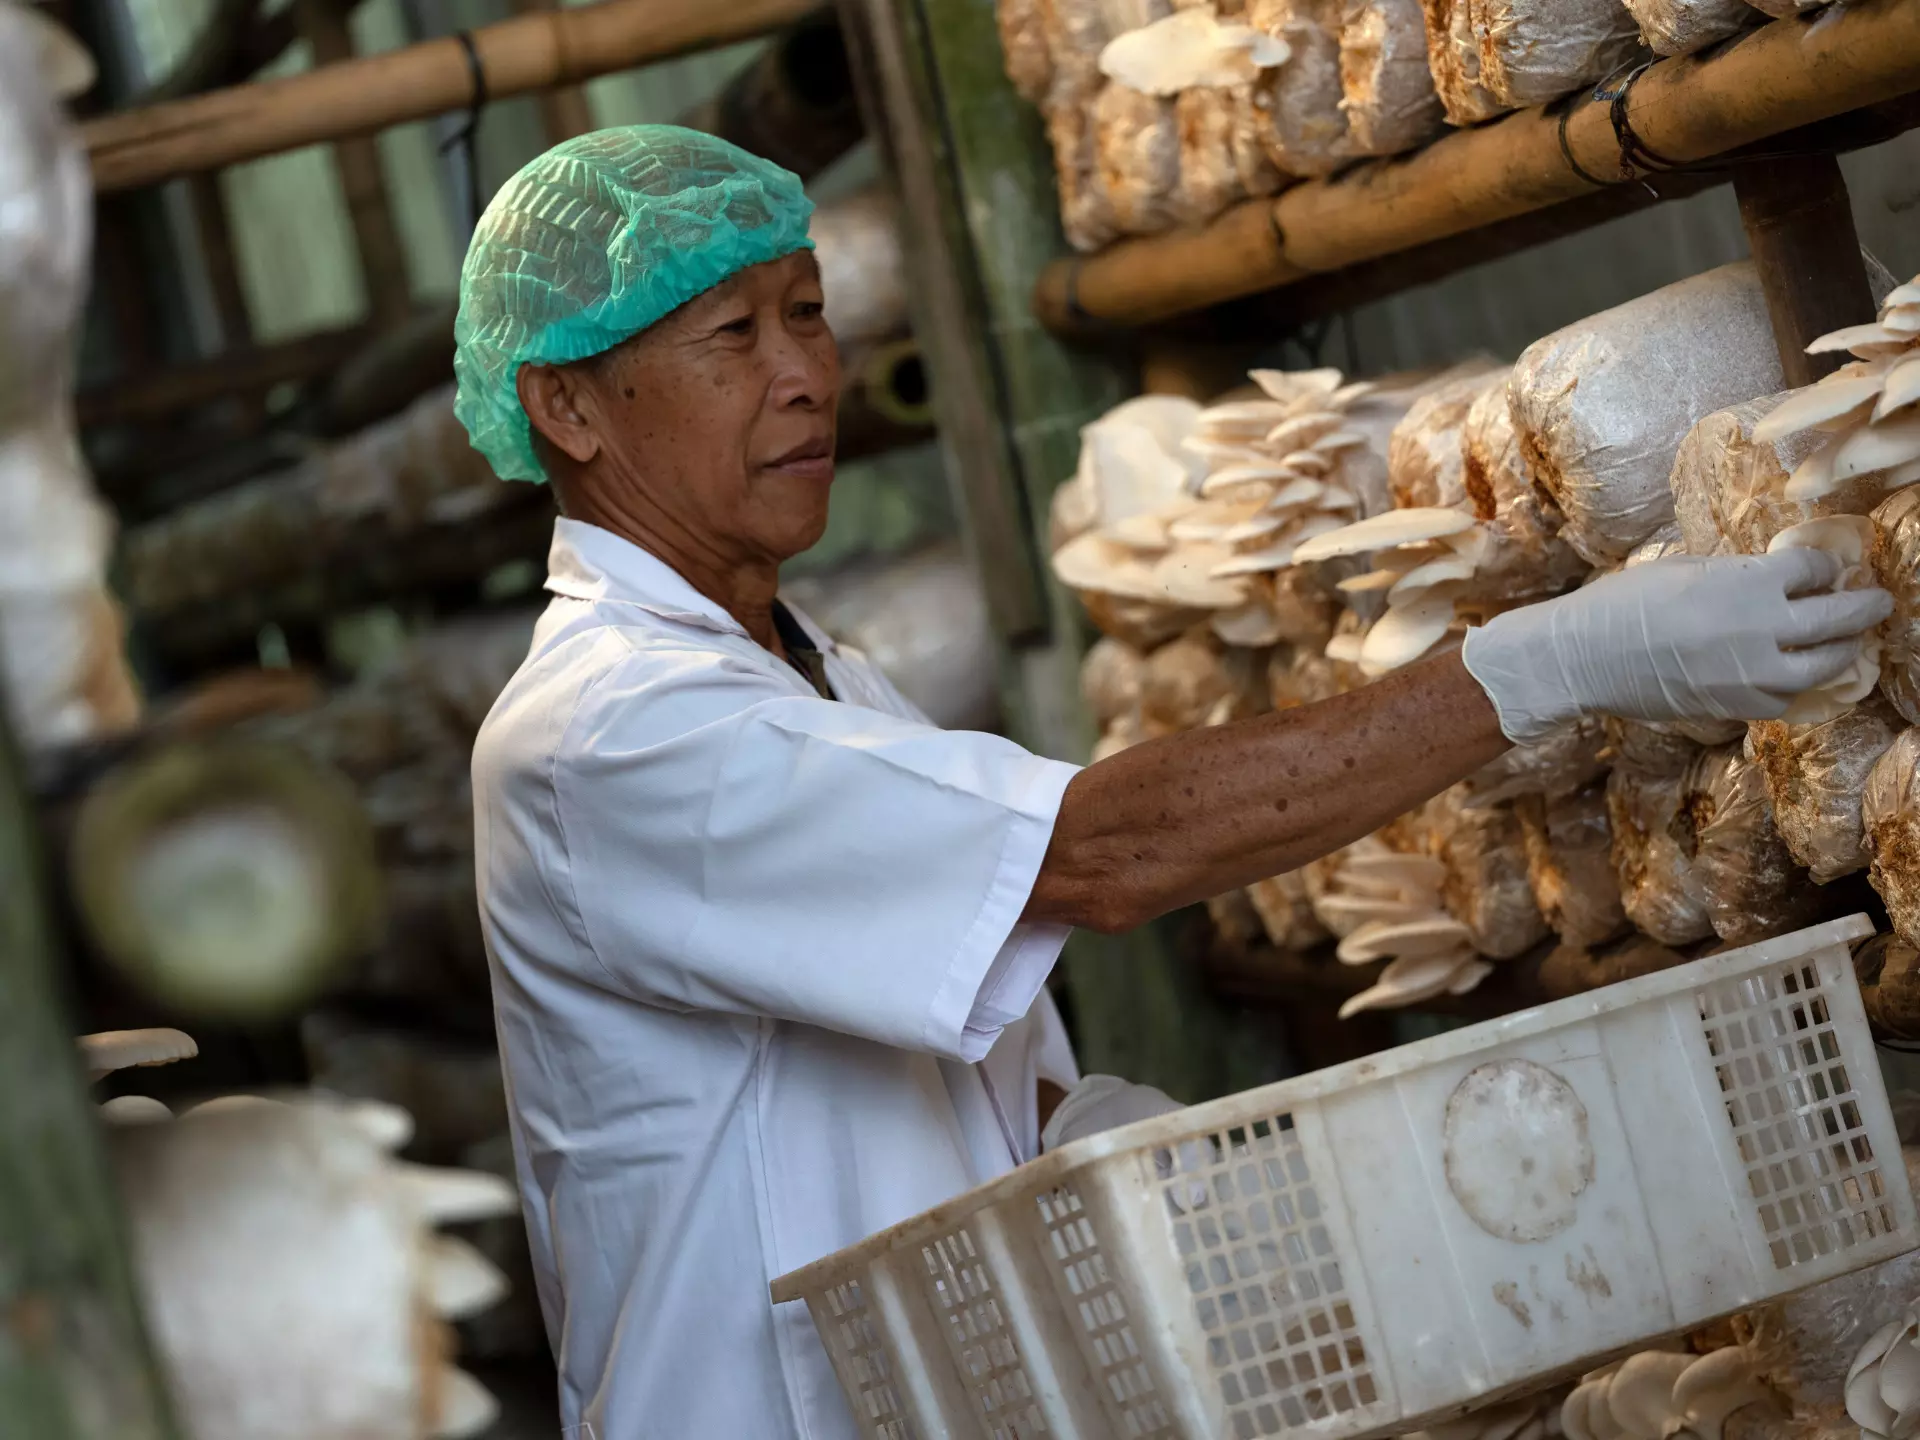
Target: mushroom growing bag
1602, 406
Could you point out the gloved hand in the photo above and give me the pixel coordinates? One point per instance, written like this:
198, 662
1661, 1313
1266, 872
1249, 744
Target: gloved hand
1101, 1102
1683, 638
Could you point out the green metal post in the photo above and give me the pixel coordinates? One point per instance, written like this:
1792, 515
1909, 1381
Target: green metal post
74, 1358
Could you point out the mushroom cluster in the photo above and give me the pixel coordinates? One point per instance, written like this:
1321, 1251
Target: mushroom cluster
257, 1220
1883, 1384
1658, 1394
1304, 535
1164, 112
1832, 466
1865, 409
1385, 905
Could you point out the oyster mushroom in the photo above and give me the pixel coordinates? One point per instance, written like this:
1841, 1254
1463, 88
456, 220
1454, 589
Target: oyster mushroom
1883, 1384
265, 1222
1850, 539
1716, 1385
111, 1050
1865, 408
1187, 49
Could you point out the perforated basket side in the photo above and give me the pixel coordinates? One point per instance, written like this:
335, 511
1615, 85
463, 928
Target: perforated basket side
853, 1337
1802, 1094
1083, 1243
1224, 1258
1010, 1344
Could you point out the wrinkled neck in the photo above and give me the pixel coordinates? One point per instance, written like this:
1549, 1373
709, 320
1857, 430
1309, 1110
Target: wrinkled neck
740, 582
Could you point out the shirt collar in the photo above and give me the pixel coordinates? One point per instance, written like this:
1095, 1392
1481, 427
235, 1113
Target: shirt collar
588, 563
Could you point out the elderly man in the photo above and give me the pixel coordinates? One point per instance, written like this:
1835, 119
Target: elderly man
769, 950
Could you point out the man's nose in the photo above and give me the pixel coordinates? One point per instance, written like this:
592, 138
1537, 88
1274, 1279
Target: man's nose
806, 370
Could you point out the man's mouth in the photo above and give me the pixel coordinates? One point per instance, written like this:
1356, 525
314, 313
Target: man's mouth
812, 459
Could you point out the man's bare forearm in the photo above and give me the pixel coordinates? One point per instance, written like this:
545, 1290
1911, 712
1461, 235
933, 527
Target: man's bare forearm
1173, 821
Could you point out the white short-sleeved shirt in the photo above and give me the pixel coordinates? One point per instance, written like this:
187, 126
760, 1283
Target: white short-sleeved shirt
760, 980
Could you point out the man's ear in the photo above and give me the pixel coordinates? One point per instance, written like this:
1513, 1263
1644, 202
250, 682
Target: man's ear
557, 406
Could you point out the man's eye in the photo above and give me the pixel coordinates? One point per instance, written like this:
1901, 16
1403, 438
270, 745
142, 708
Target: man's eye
742, 326
809, 310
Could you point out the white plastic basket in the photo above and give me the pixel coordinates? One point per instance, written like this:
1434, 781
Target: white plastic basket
1379, 1246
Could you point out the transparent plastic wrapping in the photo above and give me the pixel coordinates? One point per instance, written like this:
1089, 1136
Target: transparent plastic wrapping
1816, 777
1136, 149
1388, 94
1526, 557
1896, 568
1680, 27
1658, 888
1890, 812
1453, 56
1023, 46
1534, 51
1729, 492
1807, 1342
1286, 913
1185, 679
1665, 748
1076, 32
1307, 132
1745, 873
1602, 406
1486, 889
66, 678
1085, 216
1252, 159
1570, 759
1209, 178
1112, 676
1426, 460
1570, 865
1301, 674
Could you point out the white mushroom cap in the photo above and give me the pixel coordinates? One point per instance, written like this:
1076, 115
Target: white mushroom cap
1833, 398
1405, 633
1641, 1395
1386, 530
1716, 1385
1189, 48
134, 1110
1414, 978
1431, 934
112, 1050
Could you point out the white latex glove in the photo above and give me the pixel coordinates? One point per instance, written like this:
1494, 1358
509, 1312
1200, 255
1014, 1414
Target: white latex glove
1728, 638
1102, 1102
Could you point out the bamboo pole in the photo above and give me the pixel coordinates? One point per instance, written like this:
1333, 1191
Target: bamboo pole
359, 97
564, 111
74, 1359
1783, 76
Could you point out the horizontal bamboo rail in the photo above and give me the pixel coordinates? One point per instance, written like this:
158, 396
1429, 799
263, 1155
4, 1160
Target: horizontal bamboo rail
360, 97
1783, 76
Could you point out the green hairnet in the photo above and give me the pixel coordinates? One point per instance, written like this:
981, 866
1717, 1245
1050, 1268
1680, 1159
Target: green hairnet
591, 243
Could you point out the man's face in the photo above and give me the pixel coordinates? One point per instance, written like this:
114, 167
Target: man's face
719, 418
